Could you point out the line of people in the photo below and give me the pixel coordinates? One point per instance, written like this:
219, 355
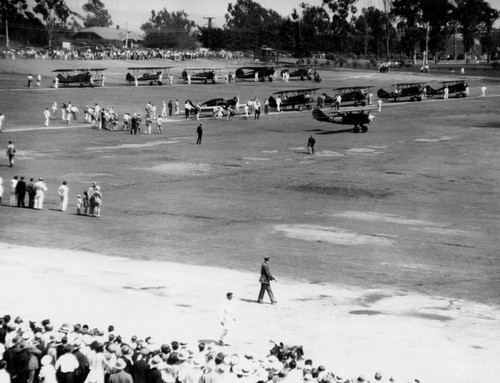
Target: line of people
40, 352
89, 205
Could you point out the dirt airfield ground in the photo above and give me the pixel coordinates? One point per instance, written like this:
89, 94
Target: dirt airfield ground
384, 243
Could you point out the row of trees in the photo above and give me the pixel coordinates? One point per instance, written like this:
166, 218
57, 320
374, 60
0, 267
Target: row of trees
52, 17
401, 26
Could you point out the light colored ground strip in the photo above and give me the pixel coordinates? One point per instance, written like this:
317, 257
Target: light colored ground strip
269, 151
63, 127
362, 151
130, 146
330, 234
444, 138
255, 159
328, 153
391, 218
181, 168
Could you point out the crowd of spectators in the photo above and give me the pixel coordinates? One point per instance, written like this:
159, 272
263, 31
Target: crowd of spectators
100, 52
40, 352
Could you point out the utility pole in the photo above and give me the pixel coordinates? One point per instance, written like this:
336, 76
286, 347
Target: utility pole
210, 18
7, 33
209, 21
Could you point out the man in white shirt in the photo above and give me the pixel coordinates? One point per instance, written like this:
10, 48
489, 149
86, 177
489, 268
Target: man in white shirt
13, 195
40, 189
227, 318
63, 192
47, 115
1, 121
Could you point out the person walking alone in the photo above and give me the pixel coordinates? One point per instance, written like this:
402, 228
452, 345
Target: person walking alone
199, 131
265, 282
310, 144
11, 153
227, 318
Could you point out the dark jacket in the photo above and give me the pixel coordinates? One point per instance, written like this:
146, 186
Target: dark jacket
265, 273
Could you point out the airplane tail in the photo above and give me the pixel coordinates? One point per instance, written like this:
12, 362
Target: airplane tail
382, 93
129, 77
319, 115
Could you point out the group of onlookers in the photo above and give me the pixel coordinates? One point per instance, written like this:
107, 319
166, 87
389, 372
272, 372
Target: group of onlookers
40, 352
20, 189
89, 205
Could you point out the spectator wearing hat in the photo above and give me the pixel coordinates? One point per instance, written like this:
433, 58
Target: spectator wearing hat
227, 318
11, 334
47, 373
265, 282
171, 368
155, 364
17, 359
141, 366
127, 354
192, 372
97, 364
83, 364
119, 375
66, 365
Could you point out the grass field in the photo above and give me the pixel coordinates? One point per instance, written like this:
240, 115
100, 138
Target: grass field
412, 205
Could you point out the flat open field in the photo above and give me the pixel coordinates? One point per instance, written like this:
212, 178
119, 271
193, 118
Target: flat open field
410, 208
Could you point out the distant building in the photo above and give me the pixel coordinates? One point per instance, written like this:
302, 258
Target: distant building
266, 55
103, 35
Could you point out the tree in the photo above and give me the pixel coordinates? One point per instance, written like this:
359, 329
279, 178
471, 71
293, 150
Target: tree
437, 14
259, 25
97, 14
340, 24
372, 22
22, 23
474, 17
166, 29
54, 13
409, 14
388, 25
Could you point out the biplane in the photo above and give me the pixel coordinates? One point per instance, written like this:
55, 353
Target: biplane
249, 72
291, 98
413, 90
153, 75
359, 118
82, 77
357, 95
212, 105
301, 72
204, 75
458, 87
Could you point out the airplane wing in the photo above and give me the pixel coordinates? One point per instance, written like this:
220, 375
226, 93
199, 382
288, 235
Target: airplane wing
303, 90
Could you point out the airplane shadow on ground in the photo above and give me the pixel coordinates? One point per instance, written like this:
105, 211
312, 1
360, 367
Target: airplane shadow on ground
321, 131
324, 132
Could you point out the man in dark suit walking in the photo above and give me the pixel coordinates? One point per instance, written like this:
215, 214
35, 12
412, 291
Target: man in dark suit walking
265, 282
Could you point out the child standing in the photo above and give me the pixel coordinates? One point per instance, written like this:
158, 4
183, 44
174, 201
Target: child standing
79, 204
159, 120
